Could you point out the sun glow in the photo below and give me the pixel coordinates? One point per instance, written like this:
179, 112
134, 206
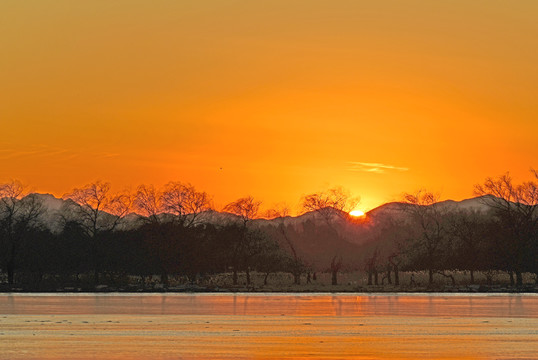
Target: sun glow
356, 213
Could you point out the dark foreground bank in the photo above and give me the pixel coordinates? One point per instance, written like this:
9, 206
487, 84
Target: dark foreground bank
350, 282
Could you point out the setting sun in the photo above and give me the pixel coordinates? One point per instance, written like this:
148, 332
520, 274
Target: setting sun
356, 213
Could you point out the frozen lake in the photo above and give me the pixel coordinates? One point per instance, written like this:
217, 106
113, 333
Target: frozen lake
268, 326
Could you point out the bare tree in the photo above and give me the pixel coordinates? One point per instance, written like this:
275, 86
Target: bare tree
148, 202
335, 203
372, 262
397, 231
431, 236
516, 209
177, 202
97, 211
297, 265
336, 265
328, 204
468, 228
170, 214
19, 212
246, 208
245, 247
279, 211
184, 203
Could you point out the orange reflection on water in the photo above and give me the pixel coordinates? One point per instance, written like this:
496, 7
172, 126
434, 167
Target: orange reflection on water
274, 304
268, 327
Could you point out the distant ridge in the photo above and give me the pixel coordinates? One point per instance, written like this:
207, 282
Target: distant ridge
315, 239
53, 207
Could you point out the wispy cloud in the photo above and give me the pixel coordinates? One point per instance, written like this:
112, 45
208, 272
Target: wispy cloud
48, 152
373, 167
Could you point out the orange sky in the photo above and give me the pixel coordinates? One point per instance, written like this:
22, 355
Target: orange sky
287, 97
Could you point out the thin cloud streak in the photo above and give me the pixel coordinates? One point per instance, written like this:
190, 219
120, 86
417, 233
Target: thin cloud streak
48, 152
373, 167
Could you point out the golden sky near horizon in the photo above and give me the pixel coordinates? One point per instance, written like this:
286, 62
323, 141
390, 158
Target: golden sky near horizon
274, 99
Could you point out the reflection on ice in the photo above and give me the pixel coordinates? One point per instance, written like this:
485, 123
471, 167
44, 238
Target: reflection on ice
500, 305
268, 326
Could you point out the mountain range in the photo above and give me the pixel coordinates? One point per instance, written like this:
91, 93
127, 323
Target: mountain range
316, 239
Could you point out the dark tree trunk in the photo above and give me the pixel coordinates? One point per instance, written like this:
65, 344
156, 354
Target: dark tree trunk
10, 273
265, 278
519, 278
248, 275
234, 276
396, 276
297, 278
430, 276
164, 278
389, 275
94, 260
472, 276
370, 277
10, 266
376, 277
512, 282
334, 279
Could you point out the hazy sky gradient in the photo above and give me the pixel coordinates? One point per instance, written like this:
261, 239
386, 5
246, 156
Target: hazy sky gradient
287, 97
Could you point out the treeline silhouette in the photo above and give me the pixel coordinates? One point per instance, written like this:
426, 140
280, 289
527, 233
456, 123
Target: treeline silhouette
169, 238
87, 240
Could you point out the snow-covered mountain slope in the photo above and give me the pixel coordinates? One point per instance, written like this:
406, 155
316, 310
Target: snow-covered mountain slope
329, 217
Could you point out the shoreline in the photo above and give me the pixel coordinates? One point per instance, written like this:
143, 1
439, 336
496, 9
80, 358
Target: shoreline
280, 283
476, 289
